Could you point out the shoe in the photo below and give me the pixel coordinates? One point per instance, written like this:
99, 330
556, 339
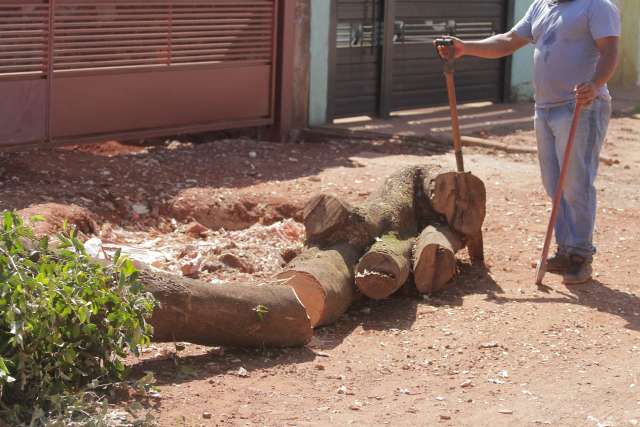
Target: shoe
558, 264
579, 271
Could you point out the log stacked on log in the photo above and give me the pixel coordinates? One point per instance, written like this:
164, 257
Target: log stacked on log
385, 268
318, 286
449, 208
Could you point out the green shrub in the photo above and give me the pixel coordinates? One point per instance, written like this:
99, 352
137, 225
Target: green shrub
65, 321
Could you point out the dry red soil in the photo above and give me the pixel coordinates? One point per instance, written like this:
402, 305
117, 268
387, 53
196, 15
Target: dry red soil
494, 350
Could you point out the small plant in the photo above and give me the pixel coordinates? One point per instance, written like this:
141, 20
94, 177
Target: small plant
65, 320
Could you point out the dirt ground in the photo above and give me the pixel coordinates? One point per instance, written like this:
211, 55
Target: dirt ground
494, 350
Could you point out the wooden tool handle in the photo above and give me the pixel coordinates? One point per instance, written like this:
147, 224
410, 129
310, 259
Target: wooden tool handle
557, 198
455, 125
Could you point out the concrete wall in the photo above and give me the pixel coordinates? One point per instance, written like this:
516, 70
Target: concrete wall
319, 68
629, 71
522, 63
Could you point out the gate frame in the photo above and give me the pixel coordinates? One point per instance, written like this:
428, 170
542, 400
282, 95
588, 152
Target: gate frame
385, 62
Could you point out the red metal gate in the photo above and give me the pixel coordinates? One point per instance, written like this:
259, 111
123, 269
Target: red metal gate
79, 71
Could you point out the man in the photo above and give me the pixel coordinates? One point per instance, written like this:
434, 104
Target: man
576, 53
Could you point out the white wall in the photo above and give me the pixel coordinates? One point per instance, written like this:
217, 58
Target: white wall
522, 64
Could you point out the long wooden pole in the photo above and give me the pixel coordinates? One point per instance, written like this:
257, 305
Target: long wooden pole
557, 199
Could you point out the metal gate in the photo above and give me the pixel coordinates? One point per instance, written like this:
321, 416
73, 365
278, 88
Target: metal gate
384, 59
79, 70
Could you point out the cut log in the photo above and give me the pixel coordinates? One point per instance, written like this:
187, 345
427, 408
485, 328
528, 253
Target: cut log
434, 259
235, 315
326, 217
461, 198
385, 267
393, 208
324, 281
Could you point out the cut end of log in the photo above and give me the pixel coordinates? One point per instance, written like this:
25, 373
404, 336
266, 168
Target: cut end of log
378, 276
308, 290
376, 285
461, 198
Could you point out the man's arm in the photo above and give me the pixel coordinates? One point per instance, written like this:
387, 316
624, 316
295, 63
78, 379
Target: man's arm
494, 47
609, 57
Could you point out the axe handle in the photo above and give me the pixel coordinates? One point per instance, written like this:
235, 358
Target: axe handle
455, 125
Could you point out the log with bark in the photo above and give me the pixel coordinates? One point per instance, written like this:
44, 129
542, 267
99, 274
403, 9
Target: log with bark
395, 207
385, 267
323, 279
434, 258
236, 315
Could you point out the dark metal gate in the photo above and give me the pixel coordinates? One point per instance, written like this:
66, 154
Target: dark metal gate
80, 70
384, 59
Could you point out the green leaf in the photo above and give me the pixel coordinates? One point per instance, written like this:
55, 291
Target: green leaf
261, 311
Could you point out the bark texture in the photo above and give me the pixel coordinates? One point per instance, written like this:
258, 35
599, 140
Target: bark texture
385, 267
398, 206
434, 259
205, 314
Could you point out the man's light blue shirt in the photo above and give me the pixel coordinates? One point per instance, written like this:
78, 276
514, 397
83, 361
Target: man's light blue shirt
564, 35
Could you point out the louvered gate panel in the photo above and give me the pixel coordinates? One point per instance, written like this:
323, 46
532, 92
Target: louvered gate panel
408, 69
134, 68
417, 70
23, 38
113, 34
135, 65
358, 52
24, 27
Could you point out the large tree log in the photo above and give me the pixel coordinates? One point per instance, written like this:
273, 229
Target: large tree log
434, 265
385, 267
461, 198
323, 279
398, 206
236, 315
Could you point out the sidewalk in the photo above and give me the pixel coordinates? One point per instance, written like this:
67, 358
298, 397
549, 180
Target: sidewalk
480, 119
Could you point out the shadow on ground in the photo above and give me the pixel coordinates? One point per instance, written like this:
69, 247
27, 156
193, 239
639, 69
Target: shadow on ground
596, 295
394, 314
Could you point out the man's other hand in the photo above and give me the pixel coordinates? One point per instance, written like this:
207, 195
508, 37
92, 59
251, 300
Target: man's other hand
444, 51
586, 93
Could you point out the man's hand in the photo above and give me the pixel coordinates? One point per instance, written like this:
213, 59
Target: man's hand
458, 48
586, 93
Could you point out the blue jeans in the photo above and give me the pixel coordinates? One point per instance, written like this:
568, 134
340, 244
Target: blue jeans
577, 214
